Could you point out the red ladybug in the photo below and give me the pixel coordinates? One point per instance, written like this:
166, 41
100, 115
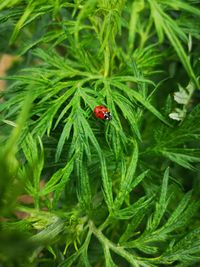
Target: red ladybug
102, 113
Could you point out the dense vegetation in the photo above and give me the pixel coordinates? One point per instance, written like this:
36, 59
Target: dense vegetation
79, 191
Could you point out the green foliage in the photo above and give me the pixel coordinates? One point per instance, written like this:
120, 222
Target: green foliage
80, 191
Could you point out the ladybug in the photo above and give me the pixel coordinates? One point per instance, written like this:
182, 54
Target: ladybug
102, 113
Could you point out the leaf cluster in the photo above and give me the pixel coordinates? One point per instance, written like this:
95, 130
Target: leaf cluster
109, 193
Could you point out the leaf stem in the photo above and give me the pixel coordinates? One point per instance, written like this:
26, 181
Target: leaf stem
130, 257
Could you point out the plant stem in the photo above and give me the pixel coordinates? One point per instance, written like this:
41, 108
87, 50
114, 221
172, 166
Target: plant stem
130, 257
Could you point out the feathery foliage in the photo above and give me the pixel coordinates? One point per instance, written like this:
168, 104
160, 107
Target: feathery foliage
80, 191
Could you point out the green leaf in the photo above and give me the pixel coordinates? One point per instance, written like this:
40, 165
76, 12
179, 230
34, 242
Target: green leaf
181, 158
127, 180
158, 20
84, 190
137, 7
185, 250
63, 176
64, 135
60, 176
137, 96
182, 5
165, 24
161, 205
181, 53
34, 166
20, 23
133, 210
128, 112
175, 218
132, 226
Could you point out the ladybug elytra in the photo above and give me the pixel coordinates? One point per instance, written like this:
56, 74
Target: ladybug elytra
102, 113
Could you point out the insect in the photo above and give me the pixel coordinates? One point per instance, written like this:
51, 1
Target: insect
102, 113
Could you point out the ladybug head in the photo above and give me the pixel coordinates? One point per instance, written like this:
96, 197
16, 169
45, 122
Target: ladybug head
107, 116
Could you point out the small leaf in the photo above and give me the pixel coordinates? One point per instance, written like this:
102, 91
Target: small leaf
65, 175
63, 137
161, 205
137, 96
133, 210
127, 179
182, 159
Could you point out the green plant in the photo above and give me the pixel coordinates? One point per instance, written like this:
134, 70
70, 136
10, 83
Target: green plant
103, 193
